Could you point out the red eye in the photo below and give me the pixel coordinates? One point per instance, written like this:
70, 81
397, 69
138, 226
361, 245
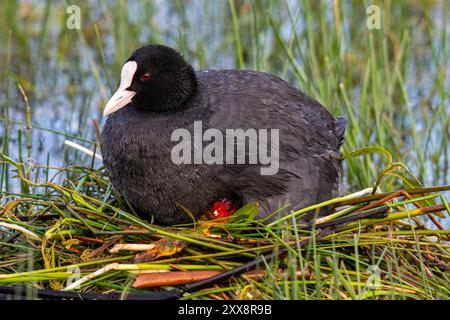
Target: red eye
145, 77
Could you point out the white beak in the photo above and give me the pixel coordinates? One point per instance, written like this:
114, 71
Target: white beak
122, 97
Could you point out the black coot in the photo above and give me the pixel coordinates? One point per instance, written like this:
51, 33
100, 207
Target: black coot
160, 92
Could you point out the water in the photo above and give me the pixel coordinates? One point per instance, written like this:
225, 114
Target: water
58, 70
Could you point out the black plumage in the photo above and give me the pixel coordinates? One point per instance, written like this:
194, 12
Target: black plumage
167, 95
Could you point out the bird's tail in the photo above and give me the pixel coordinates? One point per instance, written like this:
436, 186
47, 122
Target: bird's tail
339, 128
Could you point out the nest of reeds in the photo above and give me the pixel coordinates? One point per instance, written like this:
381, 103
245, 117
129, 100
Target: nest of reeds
74, 239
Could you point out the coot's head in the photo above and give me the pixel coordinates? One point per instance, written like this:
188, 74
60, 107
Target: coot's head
156, 78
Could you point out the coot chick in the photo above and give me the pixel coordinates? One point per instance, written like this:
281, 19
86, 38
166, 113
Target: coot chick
223, 208
160, 92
